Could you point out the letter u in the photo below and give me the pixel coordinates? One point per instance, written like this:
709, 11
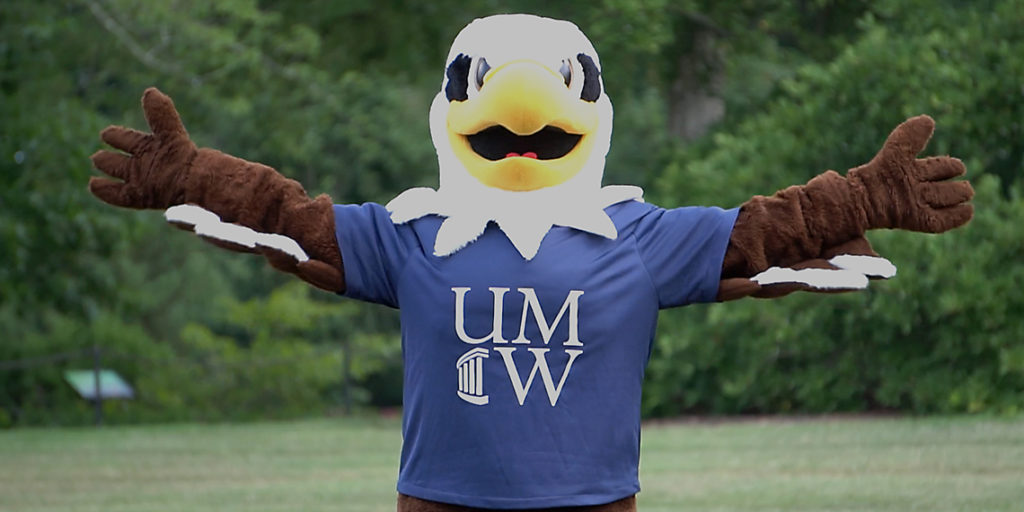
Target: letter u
497, 311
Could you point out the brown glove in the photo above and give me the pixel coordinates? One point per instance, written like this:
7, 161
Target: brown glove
164, 169
799, 225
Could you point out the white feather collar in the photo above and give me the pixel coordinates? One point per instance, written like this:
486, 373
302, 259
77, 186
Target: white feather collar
524, 217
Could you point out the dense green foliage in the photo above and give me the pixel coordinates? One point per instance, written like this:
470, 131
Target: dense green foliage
947, 333
335, 94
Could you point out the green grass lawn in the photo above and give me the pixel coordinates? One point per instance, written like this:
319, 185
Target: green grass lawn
967, 464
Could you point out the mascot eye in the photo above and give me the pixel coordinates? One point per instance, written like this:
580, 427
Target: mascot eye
566, 72
458, 78
482, 67
591, 78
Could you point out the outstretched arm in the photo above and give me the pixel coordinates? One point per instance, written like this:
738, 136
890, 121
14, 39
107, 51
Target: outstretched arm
803, 226
165, 168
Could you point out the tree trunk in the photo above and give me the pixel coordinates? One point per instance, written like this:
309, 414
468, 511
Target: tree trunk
695, 97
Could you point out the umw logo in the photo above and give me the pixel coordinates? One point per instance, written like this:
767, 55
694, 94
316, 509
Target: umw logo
470, 364
471, 376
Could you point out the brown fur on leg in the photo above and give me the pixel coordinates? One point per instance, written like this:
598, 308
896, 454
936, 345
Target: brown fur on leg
411, 504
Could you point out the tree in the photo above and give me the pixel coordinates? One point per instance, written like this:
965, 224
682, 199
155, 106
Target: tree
335, 94
943, 335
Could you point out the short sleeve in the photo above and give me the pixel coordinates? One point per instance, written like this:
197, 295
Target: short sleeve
683, 250
372, 252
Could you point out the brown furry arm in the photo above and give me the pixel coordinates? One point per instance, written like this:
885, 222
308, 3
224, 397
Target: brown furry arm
165, 168
258, 197
803, 225
793, 225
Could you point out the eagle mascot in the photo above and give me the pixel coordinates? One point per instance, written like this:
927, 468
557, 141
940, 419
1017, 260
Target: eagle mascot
528, 292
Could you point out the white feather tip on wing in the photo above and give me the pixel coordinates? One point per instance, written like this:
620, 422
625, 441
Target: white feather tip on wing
207, 224
872, 266
233, 233
820, 278
190, 214
283, 244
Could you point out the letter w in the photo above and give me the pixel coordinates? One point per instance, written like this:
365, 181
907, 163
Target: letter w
540, 364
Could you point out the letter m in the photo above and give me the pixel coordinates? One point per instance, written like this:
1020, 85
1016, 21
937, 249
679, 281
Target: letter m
531, 304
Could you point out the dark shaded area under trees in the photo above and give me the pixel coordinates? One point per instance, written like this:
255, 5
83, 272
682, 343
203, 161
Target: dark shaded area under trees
715, 102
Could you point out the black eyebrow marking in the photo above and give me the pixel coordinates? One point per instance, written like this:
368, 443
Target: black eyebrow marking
591, 78
458, 78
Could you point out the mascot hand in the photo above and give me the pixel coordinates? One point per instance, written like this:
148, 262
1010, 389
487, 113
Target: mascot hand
899, 190
790, 240
156, 164
230, 202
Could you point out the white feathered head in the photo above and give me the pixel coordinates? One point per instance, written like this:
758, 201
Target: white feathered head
522, 126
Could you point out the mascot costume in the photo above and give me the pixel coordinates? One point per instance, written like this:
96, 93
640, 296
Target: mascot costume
528, 292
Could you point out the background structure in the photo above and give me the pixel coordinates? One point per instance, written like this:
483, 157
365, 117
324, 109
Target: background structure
715, 102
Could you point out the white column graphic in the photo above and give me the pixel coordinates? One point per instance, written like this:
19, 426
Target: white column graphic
471, 376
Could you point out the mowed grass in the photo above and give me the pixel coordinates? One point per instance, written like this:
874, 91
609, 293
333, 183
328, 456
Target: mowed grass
942, 464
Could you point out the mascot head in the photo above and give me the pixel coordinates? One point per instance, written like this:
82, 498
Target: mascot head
521, 126
522, 106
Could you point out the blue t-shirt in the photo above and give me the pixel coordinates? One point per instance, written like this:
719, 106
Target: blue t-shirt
523, 378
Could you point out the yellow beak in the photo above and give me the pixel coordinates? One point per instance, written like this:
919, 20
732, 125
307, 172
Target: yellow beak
524, 98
